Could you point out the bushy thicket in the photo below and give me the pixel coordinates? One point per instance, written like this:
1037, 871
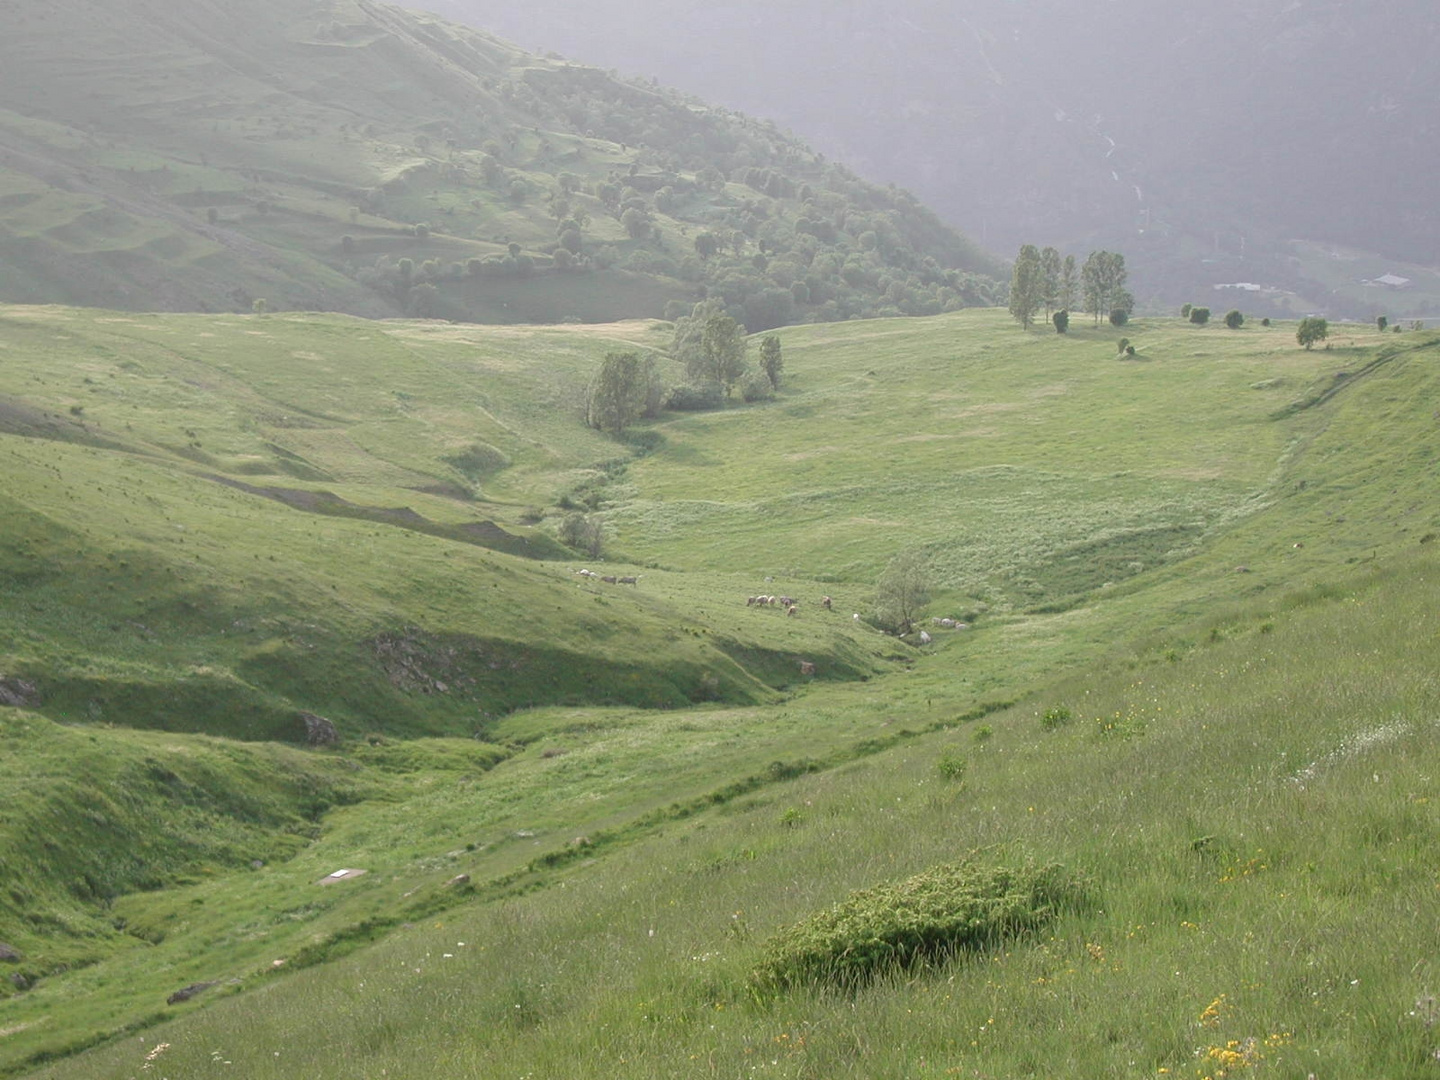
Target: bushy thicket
946, 910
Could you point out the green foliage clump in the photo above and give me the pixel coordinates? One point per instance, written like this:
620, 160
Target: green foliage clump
695, 397
1311, 330
1185, 310
1054, 717
619, 391
933, 916
952, 766
1234, 319
1200, 315
771, 362
756, 387
1061, 319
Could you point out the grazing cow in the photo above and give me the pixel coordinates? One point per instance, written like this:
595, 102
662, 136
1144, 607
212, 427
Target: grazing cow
770, 600
807, 668
792, 609
609, 579
751, 601
856, 616
586, 573
949, 624
924, 638
786, 601
629, 580
825, 603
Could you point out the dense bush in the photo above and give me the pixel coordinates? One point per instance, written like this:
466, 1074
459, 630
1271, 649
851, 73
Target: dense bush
1200, 315
755, 386
933, 916
695, 397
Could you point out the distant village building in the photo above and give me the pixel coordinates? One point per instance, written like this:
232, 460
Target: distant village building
1390, 281
1243, 286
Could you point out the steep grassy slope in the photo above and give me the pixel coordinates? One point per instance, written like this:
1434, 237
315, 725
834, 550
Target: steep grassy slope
342, 155
1285, 571
1257, 817
227, 521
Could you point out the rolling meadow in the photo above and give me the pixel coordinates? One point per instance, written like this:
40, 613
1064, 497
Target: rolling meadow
1197, 675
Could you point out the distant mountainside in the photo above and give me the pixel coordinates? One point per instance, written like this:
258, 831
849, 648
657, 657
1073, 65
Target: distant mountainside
1199, 139
347, 155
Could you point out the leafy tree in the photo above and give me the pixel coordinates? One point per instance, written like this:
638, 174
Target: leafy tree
636, 223
770, 361
1102, 279
618, 393
1200, 315
711, 344
722, 345
422, 301
1061, 319
584, 532
706, 245
1185, 310
903, 589
1051, 268
1069, 283
1119, 316
1311, 330
1234, 319
260, 305
1027, 284
1381, 322
422, 231
571, 240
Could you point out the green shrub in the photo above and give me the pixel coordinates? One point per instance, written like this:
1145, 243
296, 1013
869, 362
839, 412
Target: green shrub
951, 765
1200, 315
933, 916
1234, 319
695, 397
756, 386
1057, 716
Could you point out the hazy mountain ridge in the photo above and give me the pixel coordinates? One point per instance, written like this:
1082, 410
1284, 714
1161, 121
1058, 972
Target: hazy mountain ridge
1263, 121
212, 157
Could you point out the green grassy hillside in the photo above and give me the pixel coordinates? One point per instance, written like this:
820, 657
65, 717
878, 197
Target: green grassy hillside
1197, 671
355, 157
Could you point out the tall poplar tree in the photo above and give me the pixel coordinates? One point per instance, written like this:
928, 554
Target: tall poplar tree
1102, 279
1027, 285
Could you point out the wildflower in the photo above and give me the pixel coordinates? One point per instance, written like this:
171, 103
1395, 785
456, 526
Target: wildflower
1211, 1016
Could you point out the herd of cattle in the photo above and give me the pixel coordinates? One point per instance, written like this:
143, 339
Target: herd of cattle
790, 604
610, 579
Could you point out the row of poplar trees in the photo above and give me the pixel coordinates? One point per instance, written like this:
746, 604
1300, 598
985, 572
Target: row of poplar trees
1043, 279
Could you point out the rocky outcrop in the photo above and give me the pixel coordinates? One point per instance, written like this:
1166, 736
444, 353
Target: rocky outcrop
188, 992
18, 693
319, 731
